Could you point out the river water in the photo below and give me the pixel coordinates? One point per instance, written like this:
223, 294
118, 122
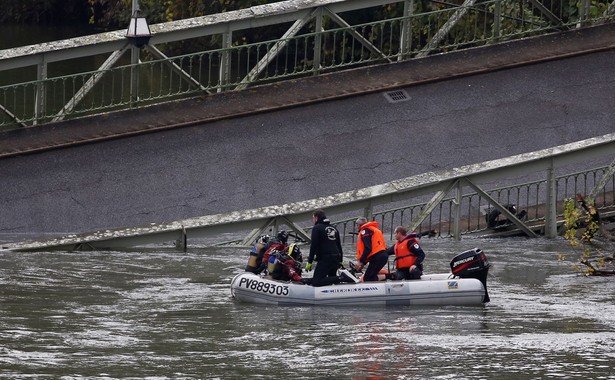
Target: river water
162, 314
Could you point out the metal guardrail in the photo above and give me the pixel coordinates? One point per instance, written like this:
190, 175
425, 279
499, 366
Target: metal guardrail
323, 36
389, 202
528, 196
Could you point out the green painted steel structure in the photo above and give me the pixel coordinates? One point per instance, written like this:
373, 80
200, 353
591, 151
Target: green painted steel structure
319, 36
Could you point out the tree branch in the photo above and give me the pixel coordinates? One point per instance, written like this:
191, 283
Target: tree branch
597, 272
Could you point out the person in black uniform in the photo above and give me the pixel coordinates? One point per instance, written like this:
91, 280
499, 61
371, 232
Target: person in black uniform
326, 248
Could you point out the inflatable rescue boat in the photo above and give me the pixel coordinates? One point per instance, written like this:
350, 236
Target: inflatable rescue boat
465, 285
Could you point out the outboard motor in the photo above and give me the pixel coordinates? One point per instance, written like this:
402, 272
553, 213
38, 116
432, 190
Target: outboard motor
472, 264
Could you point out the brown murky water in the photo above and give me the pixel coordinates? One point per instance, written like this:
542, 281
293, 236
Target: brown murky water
161, 314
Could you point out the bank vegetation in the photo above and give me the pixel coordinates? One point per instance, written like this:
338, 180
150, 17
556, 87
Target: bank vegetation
113, 14
591, 240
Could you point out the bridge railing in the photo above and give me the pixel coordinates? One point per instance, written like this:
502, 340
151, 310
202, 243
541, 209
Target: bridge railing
78, 77
530, 197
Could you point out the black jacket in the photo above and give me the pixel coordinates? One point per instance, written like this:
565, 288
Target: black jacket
325, 241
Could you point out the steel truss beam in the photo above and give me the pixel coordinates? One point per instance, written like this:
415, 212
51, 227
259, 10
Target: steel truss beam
272, 224
12, 116
90, 83
292, 31
509, 215
602, 183
176, 68
431, 205
364, 41
458, 183
108, 64
448, 25
275, 49
547, 13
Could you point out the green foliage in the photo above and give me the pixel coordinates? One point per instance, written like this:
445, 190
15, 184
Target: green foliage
476, 25
111, 14
581, 230
598, 8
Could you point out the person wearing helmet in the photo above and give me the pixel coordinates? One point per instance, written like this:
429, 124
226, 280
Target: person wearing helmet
256, 254
283, 236
274, 247
287, 266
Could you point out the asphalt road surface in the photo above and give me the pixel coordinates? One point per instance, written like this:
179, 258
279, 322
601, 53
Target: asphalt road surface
306, 152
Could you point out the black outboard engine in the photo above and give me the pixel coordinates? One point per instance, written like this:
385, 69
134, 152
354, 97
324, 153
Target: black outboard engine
472, 264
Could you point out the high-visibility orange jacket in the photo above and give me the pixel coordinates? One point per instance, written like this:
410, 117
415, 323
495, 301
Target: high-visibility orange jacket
404, 258
370, 242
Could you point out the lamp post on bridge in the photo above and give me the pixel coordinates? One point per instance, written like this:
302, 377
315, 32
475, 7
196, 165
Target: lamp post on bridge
138, 34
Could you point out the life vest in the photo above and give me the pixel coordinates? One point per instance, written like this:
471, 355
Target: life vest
256, 257
404, 258
378, 243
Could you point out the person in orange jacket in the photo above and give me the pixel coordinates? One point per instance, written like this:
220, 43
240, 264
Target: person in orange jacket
371, 249
409, 255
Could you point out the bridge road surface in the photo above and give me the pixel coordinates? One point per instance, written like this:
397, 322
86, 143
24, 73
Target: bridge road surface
308, 151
